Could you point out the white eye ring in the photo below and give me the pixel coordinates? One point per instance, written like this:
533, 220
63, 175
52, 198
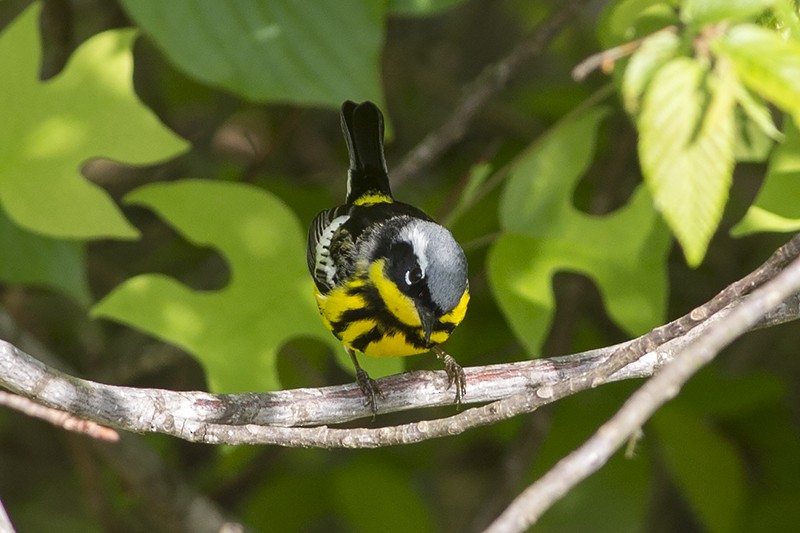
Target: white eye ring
416, 273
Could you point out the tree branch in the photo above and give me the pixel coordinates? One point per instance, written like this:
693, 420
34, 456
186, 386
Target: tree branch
281, 417
595, 452
493, 79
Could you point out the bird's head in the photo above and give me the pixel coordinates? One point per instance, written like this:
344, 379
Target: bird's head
428, 266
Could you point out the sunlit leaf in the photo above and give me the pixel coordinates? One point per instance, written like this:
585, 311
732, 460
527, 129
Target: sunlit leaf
757, 111
711, 11
623, 252
776, 207
320, 53
766, 62
655, 50
236, 332
686, 149
49, 129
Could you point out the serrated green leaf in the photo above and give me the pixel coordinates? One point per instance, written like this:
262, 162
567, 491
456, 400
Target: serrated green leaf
686, 149
776, 207
320, 53
695, 452
236, 332
766, 62
710, 11
654, 52
50, 129
42, 261
622, 252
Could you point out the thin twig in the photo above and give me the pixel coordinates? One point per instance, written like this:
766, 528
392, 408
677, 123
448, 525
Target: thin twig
605, 60
57, 417
491, 81
595, 452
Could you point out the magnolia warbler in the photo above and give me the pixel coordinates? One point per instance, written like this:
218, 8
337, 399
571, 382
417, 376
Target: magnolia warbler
389, 280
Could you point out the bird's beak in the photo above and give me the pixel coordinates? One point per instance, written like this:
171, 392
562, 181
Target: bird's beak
428, 320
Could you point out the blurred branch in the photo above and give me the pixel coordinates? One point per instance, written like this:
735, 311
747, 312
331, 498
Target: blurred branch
493, 79
5, 522
58, 417
276, 417
595, 452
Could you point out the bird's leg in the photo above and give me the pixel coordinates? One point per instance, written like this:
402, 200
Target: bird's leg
455, 374
368, 386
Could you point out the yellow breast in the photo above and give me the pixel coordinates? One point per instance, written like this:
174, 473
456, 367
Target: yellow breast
357, 314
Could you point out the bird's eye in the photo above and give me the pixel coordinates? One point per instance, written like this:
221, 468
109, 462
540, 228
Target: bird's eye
414, 275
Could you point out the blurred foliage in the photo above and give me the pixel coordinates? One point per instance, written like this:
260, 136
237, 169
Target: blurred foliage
157, 181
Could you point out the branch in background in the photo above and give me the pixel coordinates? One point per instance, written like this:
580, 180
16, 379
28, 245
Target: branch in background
595, 452
5, 522
57, 417
252, 418
491, 81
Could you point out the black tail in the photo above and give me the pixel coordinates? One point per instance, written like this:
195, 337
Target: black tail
368, 179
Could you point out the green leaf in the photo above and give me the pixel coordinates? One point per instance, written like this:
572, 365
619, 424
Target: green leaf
626, 20
695, 452
421, 7
42, 261
50, 129
776, 207
283, 503
236, 332
535, 197
477, 177
377, 496
623, 252
757, 111
710, 11
729, 397
766, 62
686, 149
320, 54
654, 52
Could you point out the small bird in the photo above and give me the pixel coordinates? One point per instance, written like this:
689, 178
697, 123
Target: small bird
389, 281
